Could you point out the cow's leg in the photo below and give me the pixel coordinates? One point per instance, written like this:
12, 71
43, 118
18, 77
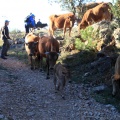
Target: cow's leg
78, 29
50, 32
62, 91
53, 33
51, 29
114, 83
70, 31
58, 86
41, 63
55, 81
48, 77
36, 63
31, 62
64, 31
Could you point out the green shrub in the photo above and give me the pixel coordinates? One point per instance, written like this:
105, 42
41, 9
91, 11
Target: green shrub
116, 8
89, 35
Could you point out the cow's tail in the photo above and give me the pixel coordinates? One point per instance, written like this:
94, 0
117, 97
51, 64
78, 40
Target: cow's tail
52, 47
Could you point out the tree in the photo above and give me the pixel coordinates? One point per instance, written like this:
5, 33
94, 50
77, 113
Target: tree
71, 5
116, 9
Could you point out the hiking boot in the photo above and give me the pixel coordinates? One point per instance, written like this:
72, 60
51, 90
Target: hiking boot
3, 57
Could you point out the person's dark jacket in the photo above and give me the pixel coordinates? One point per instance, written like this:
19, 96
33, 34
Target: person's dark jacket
5, 32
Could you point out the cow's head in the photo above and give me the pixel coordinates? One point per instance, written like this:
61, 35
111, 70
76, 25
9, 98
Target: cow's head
32, 46
52, 58
82, 26
72, 20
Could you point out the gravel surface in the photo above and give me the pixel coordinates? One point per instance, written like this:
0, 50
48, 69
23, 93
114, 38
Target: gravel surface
28, 95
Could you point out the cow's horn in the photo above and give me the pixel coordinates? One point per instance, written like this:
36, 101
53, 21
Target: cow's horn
27, 43
36, 42
46, 53
58, 54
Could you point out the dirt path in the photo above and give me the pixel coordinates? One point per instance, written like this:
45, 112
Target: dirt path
27, 95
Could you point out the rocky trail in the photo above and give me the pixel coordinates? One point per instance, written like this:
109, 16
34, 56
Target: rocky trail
28, 95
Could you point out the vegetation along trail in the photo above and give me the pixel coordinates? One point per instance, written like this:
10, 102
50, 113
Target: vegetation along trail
28, 95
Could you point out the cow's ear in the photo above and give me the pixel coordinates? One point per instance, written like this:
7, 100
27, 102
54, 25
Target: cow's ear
47, 53
58, 54
36, 43
27, 43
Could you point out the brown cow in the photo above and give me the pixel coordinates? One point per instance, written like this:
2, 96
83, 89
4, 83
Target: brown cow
116, 76
62, 21
61, 77
88, 6
95, 14
31, 46
48, 47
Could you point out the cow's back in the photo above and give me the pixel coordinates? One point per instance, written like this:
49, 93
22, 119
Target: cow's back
58, 20
30, 37
95, 14
102, 12
47, 44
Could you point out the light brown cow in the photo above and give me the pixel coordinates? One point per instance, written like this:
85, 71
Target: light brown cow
116, 76
31, 47
61, 77
48, 47
62, 21
96, 14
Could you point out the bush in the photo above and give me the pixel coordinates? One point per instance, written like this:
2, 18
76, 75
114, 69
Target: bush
90, 36
116, 9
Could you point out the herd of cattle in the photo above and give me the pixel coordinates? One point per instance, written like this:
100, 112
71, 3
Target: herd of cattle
98, 13
47, 47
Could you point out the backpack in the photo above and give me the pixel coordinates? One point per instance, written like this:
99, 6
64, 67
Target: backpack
27, 18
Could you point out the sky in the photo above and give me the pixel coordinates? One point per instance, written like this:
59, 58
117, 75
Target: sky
16, 10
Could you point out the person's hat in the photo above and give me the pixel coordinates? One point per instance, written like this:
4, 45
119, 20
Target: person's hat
7, 21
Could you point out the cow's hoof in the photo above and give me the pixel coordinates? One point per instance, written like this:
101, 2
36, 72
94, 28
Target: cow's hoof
56, 91
47, 77
31, 68
63, 97
41, 70
70, 81
113, 95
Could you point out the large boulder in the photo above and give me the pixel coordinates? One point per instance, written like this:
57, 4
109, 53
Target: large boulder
108, 32
19, 41
104, 30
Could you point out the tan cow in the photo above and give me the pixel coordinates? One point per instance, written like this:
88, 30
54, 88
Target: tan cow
89, 6
96, 14
62, 21
31, 47
116, 76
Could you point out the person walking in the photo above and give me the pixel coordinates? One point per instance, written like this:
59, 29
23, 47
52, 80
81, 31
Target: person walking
5, 36
29, 23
